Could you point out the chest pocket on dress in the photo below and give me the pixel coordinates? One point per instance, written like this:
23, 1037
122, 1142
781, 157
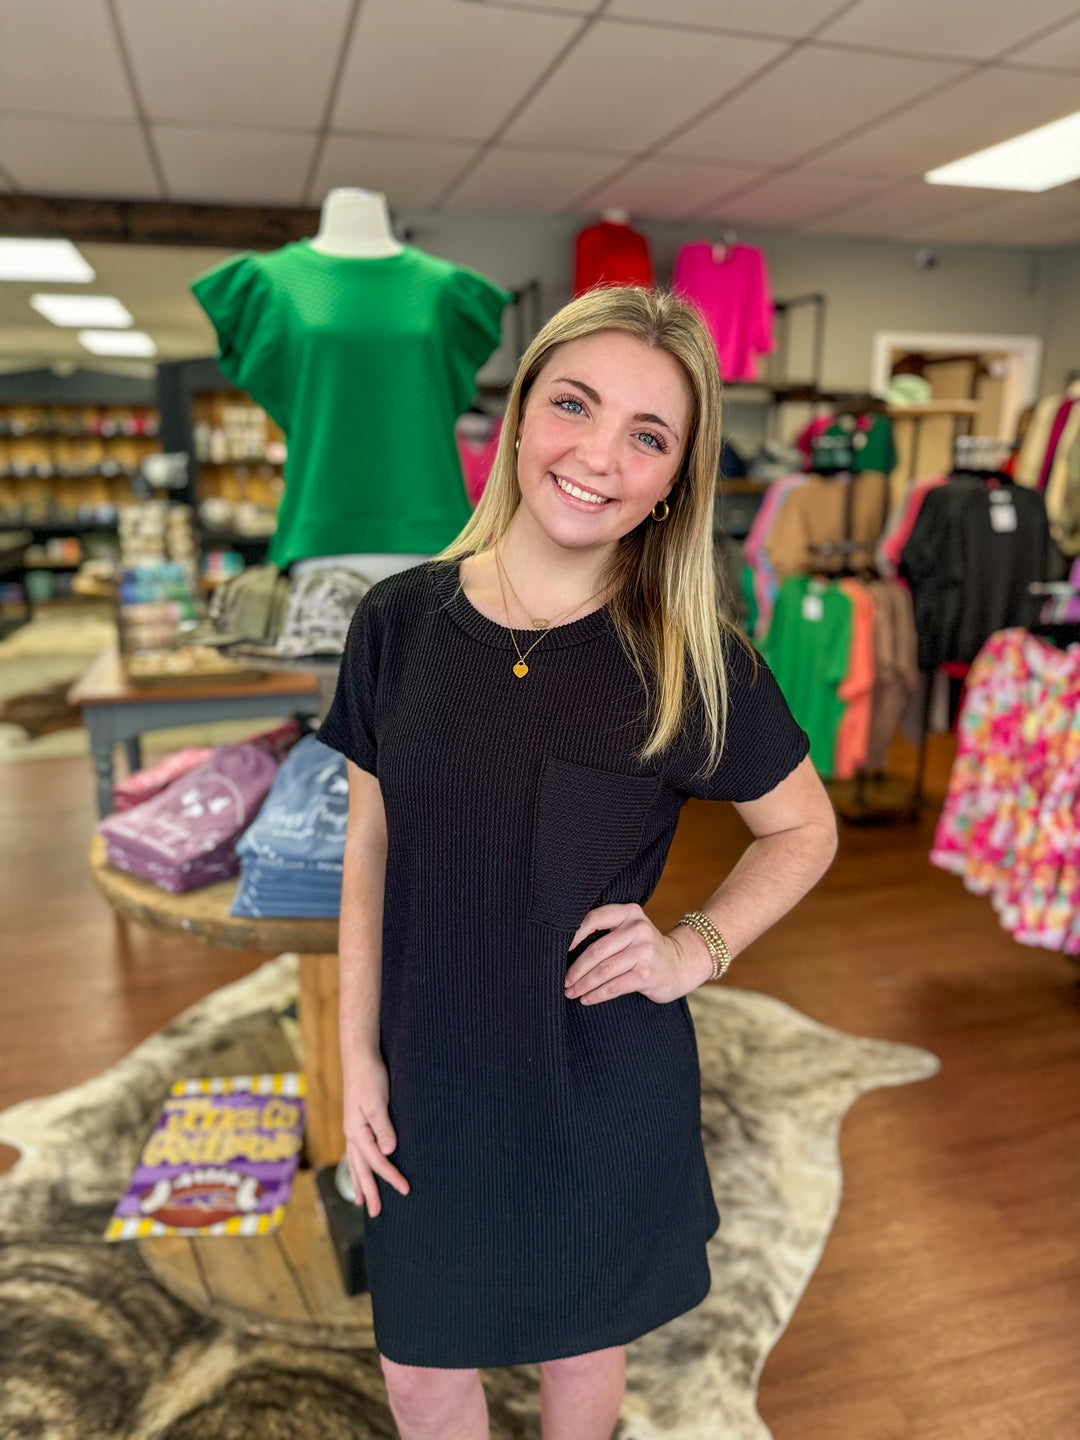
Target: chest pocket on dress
587, 826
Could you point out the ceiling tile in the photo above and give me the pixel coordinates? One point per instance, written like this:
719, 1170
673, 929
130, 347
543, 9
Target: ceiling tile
994, 104
245, 166
467, 66
576, 7
1052, 217
810, 98
797, 196
99, 158
614, 91
530, 181
788, 18
1057, 51
411, 173
234, 62
901, 210
65, 63
666, 189
975, 29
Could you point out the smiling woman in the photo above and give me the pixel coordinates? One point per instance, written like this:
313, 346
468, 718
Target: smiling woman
516, 1032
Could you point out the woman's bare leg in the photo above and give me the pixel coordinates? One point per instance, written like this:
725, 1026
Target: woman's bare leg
432, 1404
581, 1396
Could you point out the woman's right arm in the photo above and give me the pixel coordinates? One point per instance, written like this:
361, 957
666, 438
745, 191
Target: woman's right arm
369, 1134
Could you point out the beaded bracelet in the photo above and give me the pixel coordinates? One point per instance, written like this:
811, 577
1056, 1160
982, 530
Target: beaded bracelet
718, 949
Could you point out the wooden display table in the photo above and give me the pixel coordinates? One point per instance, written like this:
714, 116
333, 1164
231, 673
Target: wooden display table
115, 712
287, 1284
204, 915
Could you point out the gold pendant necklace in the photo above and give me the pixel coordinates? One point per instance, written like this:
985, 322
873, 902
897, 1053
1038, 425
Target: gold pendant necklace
521, 669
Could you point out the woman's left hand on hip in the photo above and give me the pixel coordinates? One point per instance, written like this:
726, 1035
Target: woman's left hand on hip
635, 955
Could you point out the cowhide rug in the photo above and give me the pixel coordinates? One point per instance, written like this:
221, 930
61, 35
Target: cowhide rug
93, 1348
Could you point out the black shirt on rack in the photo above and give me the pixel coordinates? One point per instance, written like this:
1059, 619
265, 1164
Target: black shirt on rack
971, 556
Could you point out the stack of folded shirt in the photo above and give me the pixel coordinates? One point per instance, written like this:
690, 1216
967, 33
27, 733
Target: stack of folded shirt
186, 836
143, 785
291, 857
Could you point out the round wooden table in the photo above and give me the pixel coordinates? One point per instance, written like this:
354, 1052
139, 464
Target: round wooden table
227, 1277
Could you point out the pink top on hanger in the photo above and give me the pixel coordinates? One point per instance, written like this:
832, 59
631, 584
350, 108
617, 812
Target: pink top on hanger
477, 458
734, 299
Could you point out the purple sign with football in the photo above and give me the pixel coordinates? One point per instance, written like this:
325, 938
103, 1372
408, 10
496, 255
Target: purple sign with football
220, 1160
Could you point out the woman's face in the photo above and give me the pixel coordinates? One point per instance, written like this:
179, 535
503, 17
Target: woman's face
608, 415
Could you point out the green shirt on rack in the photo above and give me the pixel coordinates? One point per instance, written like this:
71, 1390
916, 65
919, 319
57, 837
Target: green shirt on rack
365, 363
808, 648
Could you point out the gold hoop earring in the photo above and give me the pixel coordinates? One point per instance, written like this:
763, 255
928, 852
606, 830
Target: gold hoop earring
517, 444
660, 518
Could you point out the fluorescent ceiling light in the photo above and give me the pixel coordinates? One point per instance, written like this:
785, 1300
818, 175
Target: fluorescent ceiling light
117, 342
1036, 161
42, 260
99, 311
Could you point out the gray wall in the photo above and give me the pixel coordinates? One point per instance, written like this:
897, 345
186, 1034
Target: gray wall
870, 284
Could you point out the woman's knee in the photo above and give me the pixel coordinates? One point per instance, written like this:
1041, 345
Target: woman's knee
424, 1388
593, 1362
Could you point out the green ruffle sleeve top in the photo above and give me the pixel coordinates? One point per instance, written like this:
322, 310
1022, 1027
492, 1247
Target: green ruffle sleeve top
365, 364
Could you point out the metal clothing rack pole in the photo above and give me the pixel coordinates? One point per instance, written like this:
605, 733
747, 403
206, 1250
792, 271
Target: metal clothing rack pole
526, 303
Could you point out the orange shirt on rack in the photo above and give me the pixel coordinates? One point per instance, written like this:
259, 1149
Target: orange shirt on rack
857, 686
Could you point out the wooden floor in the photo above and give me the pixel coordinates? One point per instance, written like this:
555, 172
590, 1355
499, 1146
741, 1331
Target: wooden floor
947, 1304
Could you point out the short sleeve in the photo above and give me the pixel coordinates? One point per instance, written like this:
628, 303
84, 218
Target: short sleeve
349, 726
238, 298
476, 305
763, 744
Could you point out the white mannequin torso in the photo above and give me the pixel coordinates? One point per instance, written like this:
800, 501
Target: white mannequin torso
356, 223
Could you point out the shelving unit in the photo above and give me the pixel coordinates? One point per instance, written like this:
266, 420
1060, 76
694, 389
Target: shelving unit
71, 449
236, 456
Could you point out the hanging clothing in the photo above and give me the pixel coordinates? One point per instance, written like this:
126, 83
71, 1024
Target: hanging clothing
609, 254
477, 457
755, 548
808, 648
1049, 460
1010, 825
734, 298
365, 364
872, 444
901, 523
817, 514
857, 687
973, 553
560, 1200
896, 667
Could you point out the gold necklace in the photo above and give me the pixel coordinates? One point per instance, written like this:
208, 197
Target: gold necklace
521, 669
537, 623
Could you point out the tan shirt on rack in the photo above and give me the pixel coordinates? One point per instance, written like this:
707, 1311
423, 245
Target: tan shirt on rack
816, 514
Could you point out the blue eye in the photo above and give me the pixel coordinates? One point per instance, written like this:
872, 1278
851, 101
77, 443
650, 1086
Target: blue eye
570, 400
658, 443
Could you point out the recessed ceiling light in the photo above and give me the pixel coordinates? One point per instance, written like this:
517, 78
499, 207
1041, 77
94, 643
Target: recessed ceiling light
117, 342
99, 311
42, 260
1036, 161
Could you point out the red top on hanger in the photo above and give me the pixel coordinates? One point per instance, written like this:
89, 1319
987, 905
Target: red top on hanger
607, 254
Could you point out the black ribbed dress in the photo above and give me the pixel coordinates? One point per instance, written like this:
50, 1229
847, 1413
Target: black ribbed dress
560, 1200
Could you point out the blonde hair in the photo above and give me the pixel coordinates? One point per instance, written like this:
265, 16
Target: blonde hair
666, 604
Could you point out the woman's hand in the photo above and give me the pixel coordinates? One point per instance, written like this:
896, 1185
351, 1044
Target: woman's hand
634, 955
369, 1135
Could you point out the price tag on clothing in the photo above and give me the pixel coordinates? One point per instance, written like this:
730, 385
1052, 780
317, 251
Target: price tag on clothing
813, 607
1003, 518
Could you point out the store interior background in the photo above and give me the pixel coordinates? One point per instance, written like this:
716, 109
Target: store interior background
946, 1297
